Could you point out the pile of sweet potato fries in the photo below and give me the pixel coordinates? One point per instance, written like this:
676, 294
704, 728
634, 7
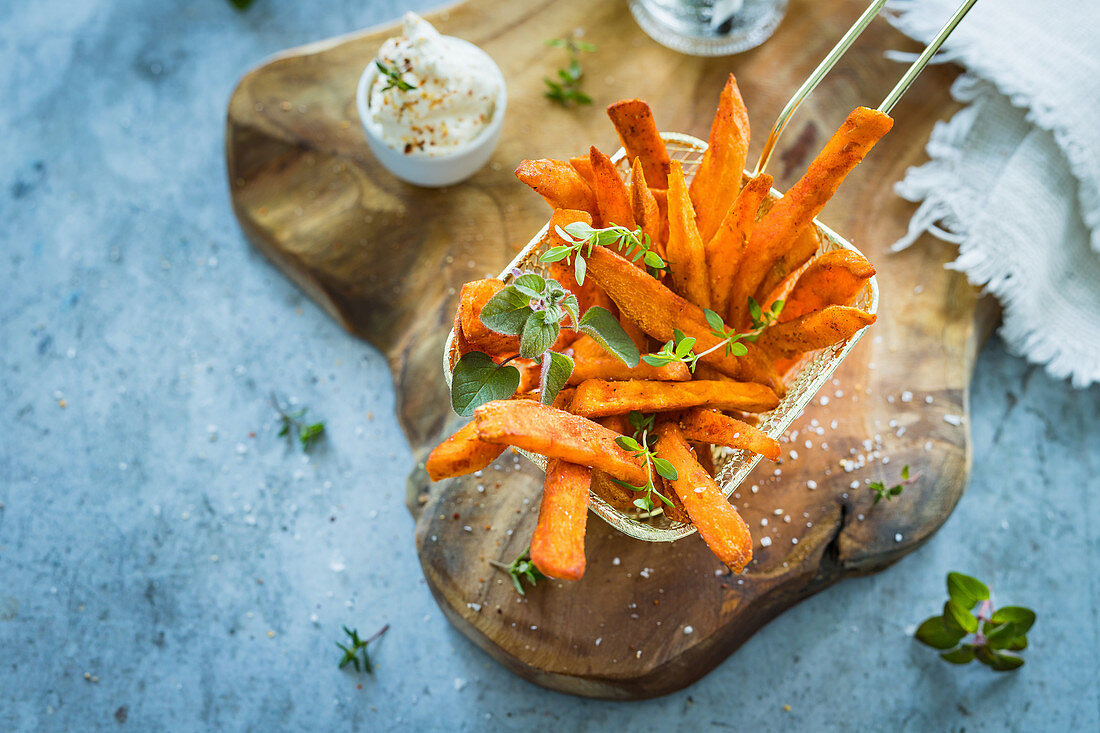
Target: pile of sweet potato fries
737, 298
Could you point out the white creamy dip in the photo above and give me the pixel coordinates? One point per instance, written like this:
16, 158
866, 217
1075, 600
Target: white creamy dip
455, 97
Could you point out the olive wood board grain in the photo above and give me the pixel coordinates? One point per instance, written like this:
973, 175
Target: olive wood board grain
386, 260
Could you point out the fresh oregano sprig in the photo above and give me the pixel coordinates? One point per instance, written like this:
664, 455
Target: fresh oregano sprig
356, 649
681, 347
307, 433
521, 569
641, 445
993, 637
881, 492
582, 237
393, 77
567, 92
535, 309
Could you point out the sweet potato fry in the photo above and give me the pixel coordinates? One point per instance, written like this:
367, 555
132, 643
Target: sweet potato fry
726, 248
633, 120
478, 336
557, 546
586, 347
718, 179
661, 196
779, 229
461, 343
612, 198
558, 184
655, 308
815, 330
612, 369
805, 246
834, 278
583, 166
597, 398
643, 203
719, 524
685, 253
556, 434
460, 454
708, 426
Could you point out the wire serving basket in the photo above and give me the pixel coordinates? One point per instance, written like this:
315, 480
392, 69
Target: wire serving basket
803, 380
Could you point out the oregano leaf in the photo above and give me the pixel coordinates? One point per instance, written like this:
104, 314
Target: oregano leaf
530, 284
966, 591
598, 323
934, 633
538, 336
556, 369
477, 379
507, 311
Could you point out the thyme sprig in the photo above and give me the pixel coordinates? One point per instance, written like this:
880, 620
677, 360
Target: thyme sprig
567, 90
583, 238
307, 432
356, 649
881, 492
394, 77
641, 445
521, 569
681, 347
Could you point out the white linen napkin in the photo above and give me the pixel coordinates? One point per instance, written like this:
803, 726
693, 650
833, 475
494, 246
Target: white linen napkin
1014, 177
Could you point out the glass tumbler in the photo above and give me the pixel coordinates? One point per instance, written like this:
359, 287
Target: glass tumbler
709, 27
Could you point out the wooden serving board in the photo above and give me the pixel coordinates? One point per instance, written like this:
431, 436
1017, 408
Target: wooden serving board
386, 260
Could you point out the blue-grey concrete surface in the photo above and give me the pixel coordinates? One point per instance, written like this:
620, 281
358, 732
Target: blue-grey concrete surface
167, 563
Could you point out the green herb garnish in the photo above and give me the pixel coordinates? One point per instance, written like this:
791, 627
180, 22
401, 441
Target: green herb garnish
292, 423
567, 91
881, 492
521, 569
358, 649
533, 308
641, 444
582, 238
393, 77
680, 347
993, 637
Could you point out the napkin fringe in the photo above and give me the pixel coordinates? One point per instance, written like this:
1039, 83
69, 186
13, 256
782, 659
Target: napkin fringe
947, 212
905, 17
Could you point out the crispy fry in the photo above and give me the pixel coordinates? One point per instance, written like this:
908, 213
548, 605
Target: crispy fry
815, 330
708, 426
719, 524
596, 398
557, 546
834, 278
633, 120
661, 196
558, 183
655, 308
685, 253
611, 368
460, 454
612, 198
805, 246
583, 166
461, 343
718, 179
643, 203
586, 347
478, 336
556, 434
726, 248
778, 231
